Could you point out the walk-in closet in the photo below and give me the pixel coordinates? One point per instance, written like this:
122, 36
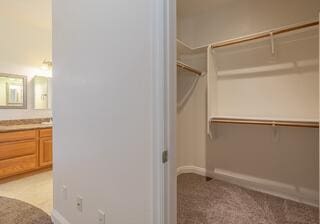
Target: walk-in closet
247, 129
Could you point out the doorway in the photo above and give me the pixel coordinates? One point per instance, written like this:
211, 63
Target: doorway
26, 111
233, 149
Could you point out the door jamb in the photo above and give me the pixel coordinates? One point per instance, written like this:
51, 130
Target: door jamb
164, 111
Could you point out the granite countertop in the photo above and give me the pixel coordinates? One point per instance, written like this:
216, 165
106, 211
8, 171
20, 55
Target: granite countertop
22, 125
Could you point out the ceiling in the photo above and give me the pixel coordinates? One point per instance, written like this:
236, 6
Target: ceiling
34, 12
194, 7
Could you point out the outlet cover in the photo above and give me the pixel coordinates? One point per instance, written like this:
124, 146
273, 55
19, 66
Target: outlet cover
79, 203
101, 217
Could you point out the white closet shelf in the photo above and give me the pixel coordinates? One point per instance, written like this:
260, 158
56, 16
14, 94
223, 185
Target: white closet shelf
264, 121
268, 33
183, 48
188, 68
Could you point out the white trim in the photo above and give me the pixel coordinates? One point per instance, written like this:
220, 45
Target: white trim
319, 115
191, 169
170, 93
57, 218
245, 36
158, 112
278, 189
193, 49
295, 119
184, 44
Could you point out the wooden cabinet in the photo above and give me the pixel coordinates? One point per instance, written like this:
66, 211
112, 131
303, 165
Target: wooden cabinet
17, 149
47, 132
25, 151
45, 151
17, 165
17, 136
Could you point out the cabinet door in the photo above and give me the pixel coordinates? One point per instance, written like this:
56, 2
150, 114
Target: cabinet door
45, 155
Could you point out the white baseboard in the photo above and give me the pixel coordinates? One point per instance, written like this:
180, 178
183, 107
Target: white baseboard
275, 188
57, 218
192, 169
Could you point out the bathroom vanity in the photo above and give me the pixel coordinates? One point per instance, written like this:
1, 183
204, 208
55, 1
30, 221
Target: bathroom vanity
25, 145
24, 148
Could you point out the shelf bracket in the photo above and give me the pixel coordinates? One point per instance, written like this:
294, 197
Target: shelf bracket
272, 43
275, 132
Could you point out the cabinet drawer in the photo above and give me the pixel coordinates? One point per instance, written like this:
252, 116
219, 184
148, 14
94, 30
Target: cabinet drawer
45, 132
17, 136
17, 165
17, 149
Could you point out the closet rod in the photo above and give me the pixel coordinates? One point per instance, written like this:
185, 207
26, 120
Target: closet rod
266, 122
187, 67
264, 34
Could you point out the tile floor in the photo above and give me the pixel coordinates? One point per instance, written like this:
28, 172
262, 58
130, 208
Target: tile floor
36, 190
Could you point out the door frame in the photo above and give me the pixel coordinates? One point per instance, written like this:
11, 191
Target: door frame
164, 112
319, 109
171, 111
165, 84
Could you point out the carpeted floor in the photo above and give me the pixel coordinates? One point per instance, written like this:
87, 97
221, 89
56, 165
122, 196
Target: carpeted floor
216, 202
13, 211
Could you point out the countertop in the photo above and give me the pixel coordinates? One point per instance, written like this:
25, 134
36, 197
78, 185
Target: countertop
23, 127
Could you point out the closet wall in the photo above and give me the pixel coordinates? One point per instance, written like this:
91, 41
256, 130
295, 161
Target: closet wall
218, 20
191, 108
244, 154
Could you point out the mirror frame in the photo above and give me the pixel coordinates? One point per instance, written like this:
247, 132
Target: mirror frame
25, 80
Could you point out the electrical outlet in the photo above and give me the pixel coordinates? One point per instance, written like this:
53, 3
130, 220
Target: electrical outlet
79, 203
101, 217
65, 192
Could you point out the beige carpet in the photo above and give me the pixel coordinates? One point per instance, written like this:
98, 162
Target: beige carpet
216, 202
13, 211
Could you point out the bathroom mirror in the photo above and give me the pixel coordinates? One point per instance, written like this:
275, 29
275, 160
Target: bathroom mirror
42, 89
13, 91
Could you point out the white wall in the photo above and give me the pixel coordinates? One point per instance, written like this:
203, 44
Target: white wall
191, 122
246, 150
102, 54
212, 21
254, 83
191, 111
23, 47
